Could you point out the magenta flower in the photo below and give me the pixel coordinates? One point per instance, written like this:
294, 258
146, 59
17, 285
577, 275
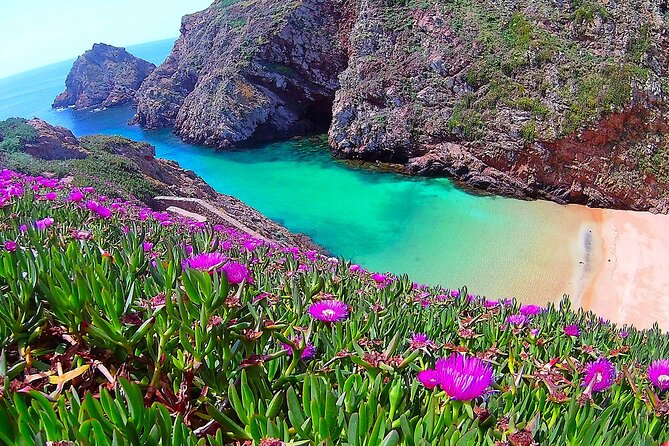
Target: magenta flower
530, 310
308, 352
330, 310
236, 272
207, 261
420, 340
599, 375
147, 246
517, 320
658, 373
76, 196
490, 303
464, 378
10, 245
428, 378
379, 278
455, 294
44, 223
572, 330
81, 235
624, 334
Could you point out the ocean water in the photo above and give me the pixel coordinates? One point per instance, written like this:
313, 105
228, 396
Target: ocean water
427, 228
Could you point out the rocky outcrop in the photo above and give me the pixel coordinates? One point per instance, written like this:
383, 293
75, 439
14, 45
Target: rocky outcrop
103, 77
53, 143
249, 71
564, 101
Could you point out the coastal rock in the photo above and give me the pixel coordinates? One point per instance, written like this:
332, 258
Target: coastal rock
103, 76
249, 71
54, 143
565, 101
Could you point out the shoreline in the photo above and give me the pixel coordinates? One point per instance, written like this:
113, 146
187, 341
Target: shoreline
629, 279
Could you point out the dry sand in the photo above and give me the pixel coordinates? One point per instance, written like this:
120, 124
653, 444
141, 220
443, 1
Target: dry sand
628, 277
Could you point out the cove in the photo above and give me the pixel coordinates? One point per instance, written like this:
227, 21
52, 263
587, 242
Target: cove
427, 228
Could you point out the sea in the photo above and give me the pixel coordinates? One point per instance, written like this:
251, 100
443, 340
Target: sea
427, 228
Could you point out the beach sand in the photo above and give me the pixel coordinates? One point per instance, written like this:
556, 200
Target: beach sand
628, 281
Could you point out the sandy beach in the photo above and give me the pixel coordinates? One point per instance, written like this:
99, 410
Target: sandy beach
628, 281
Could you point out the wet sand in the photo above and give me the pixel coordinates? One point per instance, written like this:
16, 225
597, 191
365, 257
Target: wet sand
628, 277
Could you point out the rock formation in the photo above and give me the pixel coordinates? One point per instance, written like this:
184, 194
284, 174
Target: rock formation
103, 77
564, 100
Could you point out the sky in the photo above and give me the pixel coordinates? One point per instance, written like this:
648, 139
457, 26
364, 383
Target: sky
36, 33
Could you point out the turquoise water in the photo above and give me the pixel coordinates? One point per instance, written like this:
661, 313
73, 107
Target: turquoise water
387, 222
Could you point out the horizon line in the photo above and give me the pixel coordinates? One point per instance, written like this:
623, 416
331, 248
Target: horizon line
74, 58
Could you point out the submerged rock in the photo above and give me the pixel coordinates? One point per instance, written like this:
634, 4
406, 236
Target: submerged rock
103, 76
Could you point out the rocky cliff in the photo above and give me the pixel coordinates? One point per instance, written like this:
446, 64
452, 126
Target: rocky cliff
103, 76
563, 100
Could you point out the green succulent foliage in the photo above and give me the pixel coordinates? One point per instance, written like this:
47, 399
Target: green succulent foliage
104, 342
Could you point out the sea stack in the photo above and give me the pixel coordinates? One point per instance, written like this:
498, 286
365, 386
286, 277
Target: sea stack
103, 76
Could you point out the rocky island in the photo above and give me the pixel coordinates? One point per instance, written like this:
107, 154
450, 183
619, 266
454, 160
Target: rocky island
103, 76
561, 101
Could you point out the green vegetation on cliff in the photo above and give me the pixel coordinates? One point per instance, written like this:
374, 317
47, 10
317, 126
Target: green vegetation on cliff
103, 165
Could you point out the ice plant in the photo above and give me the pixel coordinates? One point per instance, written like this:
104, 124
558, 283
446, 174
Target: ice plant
44, 223
572, 330
10, 245
599, 375
464, 378
420, 340
516, 319
206, 261
308, 352
658, 374
330, 310
428, 378
530, 310
236, 272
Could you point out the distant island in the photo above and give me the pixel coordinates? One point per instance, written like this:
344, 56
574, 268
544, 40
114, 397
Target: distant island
103, 76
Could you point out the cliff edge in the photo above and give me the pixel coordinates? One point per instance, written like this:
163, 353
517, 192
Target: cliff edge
565, 101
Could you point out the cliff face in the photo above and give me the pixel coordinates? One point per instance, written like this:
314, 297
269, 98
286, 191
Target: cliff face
538, 99
249, 70
103, 76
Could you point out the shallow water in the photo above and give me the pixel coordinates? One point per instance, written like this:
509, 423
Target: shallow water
427, 228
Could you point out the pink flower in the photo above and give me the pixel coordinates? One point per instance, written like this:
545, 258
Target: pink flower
463, 378
572, 330
517, 320
530, 310
205, 261
81, 235
44, 223
76, 196
428, 378
10, 245
658, 374
379, 278
308, 352
330, 310
236, 272
420, 340
147, 246
599, 375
